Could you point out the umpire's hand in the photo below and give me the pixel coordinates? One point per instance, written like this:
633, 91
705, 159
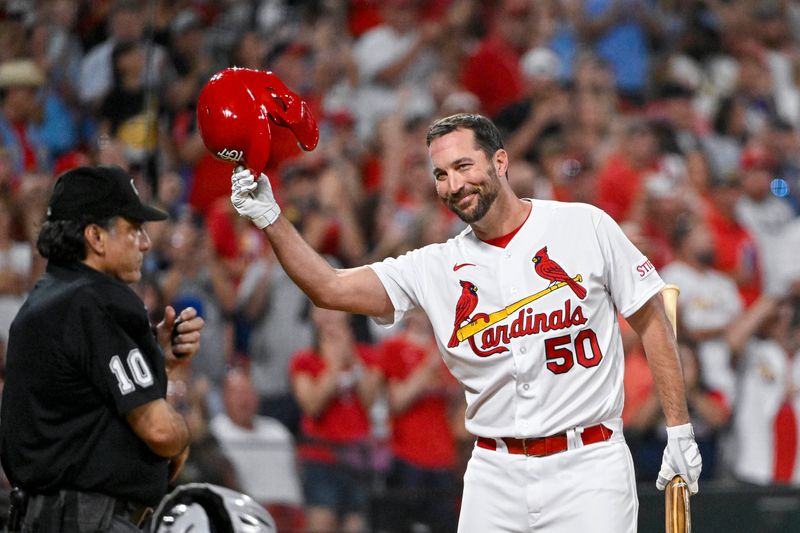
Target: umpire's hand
179, 336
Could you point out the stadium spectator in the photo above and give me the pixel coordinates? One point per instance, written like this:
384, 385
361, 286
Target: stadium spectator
708, 306
320, 201
588, 130
16, 258
542, 110
400, 52
407, 214
668, 199
765, 429
620, 177
497, 57
20, 82
126, 22
754, 86
421, 393
261, 449
335, 381
723, 145
250, 51
764, 215
736, 252
680, 129
196, 278
771, 29
783, 144
621, 31
277, 314
790, 267
207, 462
128, 110
59, 50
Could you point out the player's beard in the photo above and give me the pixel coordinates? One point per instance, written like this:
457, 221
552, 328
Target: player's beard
487, 194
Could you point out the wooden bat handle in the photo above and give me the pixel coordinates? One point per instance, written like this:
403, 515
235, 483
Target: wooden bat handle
669, 294
678, 515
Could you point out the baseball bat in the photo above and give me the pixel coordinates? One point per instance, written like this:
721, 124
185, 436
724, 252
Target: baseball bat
669, 294
676, 494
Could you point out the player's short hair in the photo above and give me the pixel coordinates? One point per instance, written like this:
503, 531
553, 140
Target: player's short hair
487, 136
62, 241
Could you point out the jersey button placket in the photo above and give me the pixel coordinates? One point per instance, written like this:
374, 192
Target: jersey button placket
525, 390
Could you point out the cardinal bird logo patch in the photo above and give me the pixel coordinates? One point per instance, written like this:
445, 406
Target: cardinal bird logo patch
467, 303
552, 272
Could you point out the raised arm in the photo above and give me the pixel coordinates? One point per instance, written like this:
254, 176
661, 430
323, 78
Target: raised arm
355, 290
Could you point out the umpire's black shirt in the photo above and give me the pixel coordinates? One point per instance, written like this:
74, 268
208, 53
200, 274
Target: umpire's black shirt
81, 354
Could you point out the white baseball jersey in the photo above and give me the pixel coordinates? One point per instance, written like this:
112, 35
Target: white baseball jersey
767, 376
555, 361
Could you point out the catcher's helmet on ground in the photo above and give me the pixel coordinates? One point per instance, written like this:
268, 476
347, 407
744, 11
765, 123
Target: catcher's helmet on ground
196, 507
238, 106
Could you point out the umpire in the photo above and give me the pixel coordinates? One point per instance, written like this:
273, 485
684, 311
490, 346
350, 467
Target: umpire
85, 430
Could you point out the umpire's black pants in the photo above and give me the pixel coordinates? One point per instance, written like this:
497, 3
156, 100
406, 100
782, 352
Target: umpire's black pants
71, 511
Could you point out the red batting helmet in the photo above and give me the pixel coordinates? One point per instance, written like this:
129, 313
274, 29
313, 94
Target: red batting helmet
234, 111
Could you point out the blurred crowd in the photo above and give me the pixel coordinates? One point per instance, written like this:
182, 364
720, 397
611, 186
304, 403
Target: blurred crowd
680, 118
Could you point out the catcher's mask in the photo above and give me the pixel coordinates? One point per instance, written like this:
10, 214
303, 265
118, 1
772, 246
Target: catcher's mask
234, 112
196, 507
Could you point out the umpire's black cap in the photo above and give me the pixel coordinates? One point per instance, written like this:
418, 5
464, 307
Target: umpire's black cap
101, 191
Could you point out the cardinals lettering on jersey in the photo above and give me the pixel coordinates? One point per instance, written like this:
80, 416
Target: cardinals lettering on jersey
464, 308
552, 272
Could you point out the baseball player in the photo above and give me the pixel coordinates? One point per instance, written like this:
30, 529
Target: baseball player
86, 430
523, 304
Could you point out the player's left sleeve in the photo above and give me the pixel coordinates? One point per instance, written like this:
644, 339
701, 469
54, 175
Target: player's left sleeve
630, 277
403, 285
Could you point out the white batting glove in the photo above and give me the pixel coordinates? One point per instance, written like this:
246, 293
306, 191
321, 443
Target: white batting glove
681, 456
254, 199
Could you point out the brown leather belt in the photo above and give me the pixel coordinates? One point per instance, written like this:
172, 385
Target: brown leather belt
544, 446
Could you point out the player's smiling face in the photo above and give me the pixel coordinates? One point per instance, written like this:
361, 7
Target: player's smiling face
466, 179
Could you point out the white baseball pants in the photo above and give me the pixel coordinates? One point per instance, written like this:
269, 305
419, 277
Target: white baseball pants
591, 488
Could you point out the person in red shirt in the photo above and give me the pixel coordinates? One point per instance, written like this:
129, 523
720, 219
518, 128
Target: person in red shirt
735, 249
335, 382
421, 392
620, 178
497, 58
